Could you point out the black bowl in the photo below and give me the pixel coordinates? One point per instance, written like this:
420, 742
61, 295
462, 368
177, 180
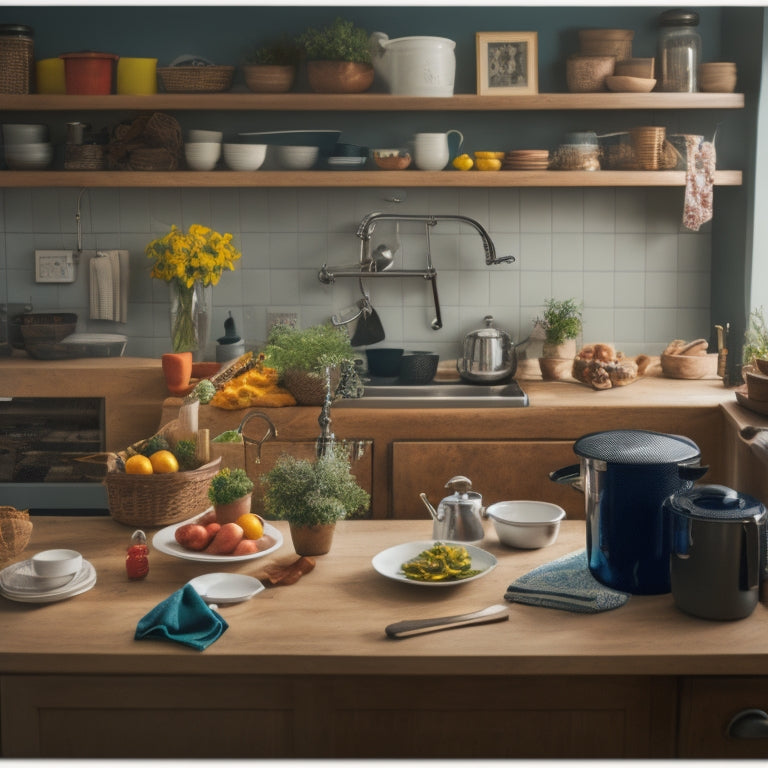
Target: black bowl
418, 367
384, 362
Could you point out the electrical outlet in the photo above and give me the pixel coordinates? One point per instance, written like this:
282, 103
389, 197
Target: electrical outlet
54, 267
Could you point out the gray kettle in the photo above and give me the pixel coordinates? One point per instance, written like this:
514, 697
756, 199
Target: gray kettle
718, 556
457, 517
488, 355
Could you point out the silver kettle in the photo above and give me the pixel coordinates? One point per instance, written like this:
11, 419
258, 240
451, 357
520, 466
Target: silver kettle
488, 354
457, 517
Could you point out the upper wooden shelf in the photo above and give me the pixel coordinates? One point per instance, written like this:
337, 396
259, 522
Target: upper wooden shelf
372, 102
374, 178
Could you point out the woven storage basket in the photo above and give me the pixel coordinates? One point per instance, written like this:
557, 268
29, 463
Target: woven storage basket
586, 74
155, 500
15, 532
606, 42
195, 79
648, 143
152, 159
83, 157
16, 64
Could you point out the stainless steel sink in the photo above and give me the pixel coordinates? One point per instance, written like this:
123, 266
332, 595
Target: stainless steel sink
439, 395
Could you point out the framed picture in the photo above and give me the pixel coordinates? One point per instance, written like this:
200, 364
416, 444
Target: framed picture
507, 63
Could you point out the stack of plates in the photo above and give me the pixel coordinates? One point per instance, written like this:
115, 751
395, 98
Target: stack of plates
20, 582
346, 163
526, 160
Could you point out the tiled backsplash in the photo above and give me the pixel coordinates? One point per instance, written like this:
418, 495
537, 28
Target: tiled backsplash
642, 278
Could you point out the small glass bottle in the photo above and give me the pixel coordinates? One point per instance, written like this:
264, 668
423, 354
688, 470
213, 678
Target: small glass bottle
679, 51
137, 557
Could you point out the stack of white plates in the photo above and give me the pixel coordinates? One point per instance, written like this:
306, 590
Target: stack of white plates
20, 582
346, 163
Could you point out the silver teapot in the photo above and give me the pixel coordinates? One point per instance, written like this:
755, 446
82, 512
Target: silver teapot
458, 516
488, 355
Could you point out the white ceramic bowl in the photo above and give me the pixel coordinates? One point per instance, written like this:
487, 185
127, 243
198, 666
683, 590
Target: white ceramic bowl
24, 133
198, 135
202, 155
57, 562
244, 157
297, 158
526, 524
28, 157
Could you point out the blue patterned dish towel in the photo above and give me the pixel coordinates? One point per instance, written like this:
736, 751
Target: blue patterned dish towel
567, 584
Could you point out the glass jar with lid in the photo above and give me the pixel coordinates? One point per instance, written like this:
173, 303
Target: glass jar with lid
679, 51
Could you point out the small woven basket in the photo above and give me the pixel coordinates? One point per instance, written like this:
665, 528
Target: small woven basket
648, 143
586, 74
83, 157
15, 532
155, 500
152, 159
195, 79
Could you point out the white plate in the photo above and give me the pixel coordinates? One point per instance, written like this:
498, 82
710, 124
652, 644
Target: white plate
13, 586
165, 541
389, 562
226, 587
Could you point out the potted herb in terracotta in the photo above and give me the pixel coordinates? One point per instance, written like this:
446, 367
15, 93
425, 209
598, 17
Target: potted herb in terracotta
230, 493
562, 324
338, 58
301, 357
312, 496
272, 68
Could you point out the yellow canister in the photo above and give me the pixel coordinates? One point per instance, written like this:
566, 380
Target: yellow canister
136, 76
50, 76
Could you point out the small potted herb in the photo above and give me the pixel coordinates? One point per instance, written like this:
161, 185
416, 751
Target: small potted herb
301, 357
272, 67
230, 493
562, 324
312, 496
338, 58
755, 338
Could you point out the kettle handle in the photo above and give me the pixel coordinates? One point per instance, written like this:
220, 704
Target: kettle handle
570, 475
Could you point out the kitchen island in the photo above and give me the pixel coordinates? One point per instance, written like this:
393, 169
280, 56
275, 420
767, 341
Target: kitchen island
307, 671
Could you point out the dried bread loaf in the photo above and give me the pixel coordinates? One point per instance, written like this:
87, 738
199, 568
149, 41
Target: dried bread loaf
602, 367
15, 532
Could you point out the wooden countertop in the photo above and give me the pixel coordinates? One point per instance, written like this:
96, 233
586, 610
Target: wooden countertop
332, 621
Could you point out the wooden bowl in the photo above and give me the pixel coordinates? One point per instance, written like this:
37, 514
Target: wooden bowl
689, 366
757, 386
636, 67
762, 364
626, 84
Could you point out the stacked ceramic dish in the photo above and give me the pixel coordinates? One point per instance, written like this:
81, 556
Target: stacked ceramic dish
27, 147
49, 576
526, 160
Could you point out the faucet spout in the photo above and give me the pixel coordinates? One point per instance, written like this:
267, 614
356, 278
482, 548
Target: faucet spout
368, 223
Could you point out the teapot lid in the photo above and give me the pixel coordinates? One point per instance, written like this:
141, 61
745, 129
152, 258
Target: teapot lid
489, 332
715, 502
459, 484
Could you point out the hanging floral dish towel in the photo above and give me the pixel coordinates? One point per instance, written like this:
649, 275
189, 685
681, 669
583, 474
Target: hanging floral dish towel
699, 180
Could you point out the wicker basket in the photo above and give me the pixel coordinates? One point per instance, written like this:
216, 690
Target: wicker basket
195, 79
586, 74
155, 500
648, 143
606, 42
83, 157
15, 532
152, 159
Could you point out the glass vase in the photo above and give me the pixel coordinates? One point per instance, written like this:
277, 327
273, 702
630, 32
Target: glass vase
190, 317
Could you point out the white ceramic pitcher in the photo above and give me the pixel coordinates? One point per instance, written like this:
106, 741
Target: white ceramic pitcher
414, 66
431, 151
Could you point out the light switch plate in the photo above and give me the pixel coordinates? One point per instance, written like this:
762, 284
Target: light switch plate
54, 267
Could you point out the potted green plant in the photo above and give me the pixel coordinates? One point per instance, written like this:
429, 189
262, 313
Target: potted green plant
562, 324
230, 493
312, 496
301, 357
272, 67
755, 338
338, 58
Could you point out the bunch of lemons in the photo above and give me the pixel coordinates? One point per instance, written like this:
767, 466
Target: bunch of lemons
159, 463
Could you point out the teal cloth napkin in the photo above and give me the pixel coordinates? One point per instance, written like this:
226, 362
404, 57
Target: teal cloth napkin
567, 584
183, 617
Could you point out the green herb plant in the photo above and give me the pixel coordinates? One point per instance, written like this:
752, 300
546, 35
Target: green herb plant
229, 485
561, 320
340, 41
312, 349
308, 493
756, 337
284, 52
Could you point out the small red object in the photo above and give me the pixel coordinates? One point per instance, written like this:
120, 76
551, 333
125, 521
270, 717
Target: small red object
137, 557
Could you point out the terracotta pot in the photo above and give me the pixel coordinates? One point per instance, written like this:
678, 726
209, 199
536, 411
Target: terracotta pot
339, 76
312, 539
309, 388
177, 369
555, 368
566, 349
228, 513
269, 78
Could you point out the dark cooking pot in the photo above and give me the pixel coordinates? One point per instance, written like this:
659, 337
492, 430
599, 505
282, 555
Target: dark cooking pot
626, 475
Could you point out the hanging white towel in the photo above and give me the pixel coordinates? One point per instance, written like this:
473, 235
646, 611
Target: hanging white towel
109, 286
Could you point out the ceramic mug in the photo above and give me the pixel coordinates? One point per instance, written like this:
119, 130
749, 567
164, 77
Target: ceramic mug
431, 151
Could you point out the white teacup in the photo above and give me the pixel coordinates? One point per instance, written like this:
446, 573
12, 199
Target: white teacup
431, 151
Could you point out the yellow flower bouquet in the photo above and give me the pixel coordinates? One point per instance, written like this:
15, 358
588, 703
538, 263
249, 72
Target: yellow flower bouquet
190, 261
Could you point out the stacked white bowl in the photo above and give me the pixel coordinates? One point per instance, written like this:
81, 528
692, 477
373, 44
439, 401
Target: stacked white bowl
202, 149
244, 157
26, 146
297, 158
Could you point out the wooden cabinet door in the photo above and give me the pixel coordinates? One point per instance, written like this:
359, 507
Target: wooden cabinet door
501, 470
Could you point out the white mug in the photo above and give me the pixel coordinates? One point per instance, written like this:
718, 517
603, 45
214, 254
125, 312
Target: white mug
430, 150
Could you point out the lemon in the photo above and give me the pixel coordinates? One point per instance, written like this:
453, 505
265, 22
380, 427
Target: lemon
488, 164
251, 525
462, 163
490, 155
138, 465
164, 462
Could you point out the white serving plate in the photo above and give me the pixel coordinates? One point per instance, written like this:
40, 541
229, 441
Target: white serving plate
388, 563
15, 585
165, 541
225, 588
